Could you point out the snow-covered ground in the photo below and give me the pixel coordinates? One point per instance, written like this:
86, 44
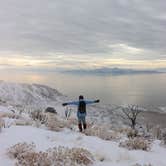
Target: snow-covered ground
35, 96
112, 154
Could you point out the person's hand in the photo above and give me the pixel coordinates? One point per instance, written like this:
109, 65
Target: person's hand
64, 104
97, 101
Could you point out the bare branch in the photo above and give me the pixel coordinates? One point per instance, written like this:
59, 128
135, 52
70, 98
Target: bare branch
131, 112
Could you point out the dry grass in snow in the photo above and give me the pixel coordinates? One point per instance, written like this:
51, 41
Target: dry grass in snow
38, 115
2, 124
19, 149
135, 144
102, 132
55, 123
58, 156
142, 165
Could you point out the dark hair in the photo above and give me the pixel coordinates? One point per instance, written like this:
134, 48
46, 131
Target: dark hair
81, 97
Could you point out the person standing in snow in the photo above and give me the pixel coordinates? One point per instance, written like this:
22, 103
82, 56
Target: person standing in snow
81, 111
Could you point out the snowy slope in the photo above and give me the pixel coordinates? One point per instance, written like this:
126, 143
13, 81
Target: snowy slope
113, 155
27, 94
35, 96
12, 94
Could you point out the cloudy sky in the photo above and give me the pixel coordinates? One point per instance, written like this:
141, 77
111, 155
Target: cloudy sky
65, 34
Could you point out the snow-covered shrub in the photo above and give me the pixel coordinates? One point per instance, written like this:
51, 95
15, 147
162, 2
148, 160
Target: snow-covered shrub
153, 132
81, 156
2, 124
15, 119
142, 165
8, 122
58, 156
148, 127
102, 133
123, 130
73, 121
136, 143
51, 120
164, 137
132, 133
10, 115
23, 122
157, 132
70, 157
13, 116
20, 149
26, 155
54, 123
37, 124
39, 115
33, 159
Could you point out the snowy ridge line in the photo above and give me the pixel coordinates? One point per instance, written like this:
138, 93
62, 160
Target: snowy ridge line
27, 94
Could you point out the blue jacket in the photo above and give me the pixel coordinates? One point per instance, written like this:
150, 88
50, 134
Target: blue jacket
77, 102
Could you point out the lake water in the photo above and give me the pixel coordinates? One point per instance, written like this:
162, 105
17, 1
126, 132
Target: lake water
144, 90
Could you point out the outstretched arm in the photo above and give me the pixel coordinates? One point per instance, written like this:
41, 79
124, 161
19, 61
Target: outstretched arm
91, 101
71, 103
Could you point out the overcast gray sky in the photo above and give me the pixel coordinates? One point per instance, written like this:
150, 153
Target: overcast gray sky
53, 34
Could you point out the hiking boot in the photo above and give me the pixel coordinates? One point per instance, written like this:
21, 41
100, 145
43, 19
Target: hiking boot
84, 125
80, 127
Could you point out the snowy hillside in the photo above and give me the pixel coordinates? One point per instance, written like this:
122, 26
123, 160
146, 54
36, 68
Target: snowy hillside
108, 151
95, 147
27, 94
57, 140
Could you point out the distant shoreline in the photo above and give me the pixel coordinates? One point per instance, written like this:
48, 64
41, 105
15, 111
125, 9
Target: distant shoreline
114, 71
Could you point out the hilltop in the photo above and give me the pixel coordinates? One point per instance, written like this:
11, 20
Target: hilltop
34, 136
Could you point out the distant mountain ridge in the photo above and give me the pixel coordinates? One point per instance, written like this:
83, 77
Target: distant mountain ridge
114, 71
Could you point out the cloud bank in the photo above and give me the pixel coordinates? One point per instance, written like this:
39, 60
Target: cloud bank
79, 34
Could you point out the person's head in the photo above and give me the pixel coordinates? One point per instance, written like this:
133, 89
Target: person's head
81, 97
